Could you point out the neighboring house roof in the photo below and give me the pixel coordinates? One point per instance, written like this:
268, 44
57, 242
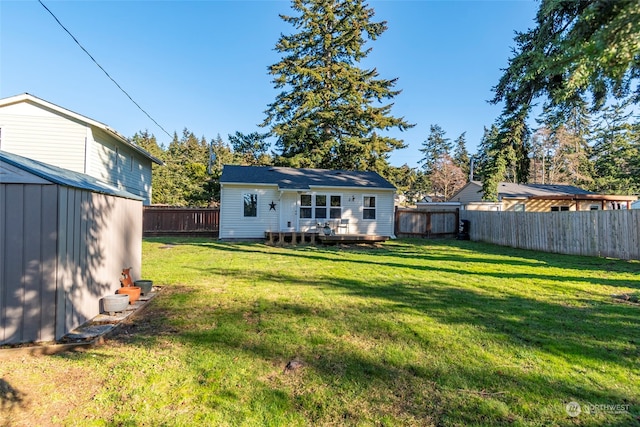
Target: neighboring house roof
27, 97
508, 190
55, 175
302, 179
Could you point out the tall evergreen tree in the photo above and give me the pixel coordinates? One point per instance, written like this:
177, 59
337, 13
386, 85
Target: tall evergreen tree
490, 163
615, 152
186, 177
461, 156
434, 148
578, 48
251, 148
220, 154
331, 112
580, 51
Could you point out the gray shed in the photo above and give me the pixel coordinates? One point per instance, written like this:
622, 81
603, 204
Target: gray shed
64, 239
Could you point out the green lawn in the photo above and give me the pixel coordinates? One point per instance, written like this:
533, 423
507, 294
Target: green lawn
413, 332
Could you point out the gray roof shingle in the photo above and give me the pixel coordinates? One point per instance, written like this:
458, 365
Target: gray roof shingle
302, 179
508, 189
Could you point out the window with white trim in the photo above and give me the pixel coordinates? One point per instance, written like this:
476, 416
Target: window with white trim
320, 206
250, 204
335, 212
369, 207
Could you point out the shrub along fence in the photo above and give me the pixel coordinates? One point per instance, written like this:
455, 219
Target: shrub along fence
614, 233
172, 221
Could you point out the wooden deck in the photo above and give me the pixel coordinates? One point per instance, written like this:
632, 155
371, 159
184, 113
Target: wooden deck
351, 238
292, 237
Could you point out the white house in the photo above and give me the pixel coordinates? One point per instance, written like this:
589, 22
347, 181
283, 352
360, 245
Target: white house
257, 199
40, 130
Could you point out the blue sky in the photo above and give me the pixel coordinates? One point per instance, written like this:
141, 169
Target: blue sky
203, 64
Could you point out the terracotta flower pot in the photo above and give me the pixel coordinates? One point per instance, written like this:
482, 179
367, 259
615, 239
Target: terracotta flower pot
145, 286
132, 291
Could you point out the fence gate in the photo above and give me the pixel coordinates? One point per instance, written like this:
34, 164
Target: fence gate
426, 224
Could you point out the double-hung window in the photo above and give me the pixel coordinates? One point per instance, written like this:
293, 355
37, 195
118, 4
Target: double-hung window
250, 204
369, 207
335, 212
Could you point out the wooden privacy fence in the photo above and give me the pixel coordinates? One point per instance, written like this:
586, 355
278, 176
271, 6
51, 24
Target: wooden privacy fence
172, 221
426, 224
614, 234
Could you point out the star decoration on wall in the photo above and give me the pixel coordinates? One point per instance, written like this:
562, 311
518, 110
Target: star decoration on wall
272, 206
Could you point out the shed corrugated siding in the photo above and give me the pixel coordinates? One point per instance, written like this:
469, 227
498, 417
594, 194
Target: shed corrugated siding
44, 137
233, 224
128, 170
28, 221
61, 250
99, 236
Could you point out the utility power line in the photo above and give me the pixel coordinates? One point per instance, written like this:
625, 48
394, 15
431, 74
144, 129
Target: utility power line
103, 70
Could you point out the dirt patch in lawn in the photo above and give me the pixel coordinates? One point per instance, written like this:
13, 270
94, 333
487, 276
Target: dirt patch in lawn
41, 391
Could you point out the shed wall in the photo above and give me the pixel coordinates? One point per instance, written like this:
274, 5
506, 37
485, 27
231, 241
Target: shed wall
61, 250
28, 221
99, 236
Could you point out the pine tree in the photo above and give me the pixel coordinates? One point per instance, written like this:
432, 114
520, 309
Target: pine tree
434, 148
330, 113
461, 156
251, 148
615, 152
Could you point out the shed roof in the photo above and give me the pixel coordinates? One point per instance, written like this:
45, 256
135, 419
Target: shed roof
302, 179
54, 175
27, 97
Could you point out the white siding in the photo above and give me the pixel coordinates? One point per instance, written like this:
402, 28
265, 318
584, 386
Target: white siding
32, 131
115, 163
233, 223
38, 133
